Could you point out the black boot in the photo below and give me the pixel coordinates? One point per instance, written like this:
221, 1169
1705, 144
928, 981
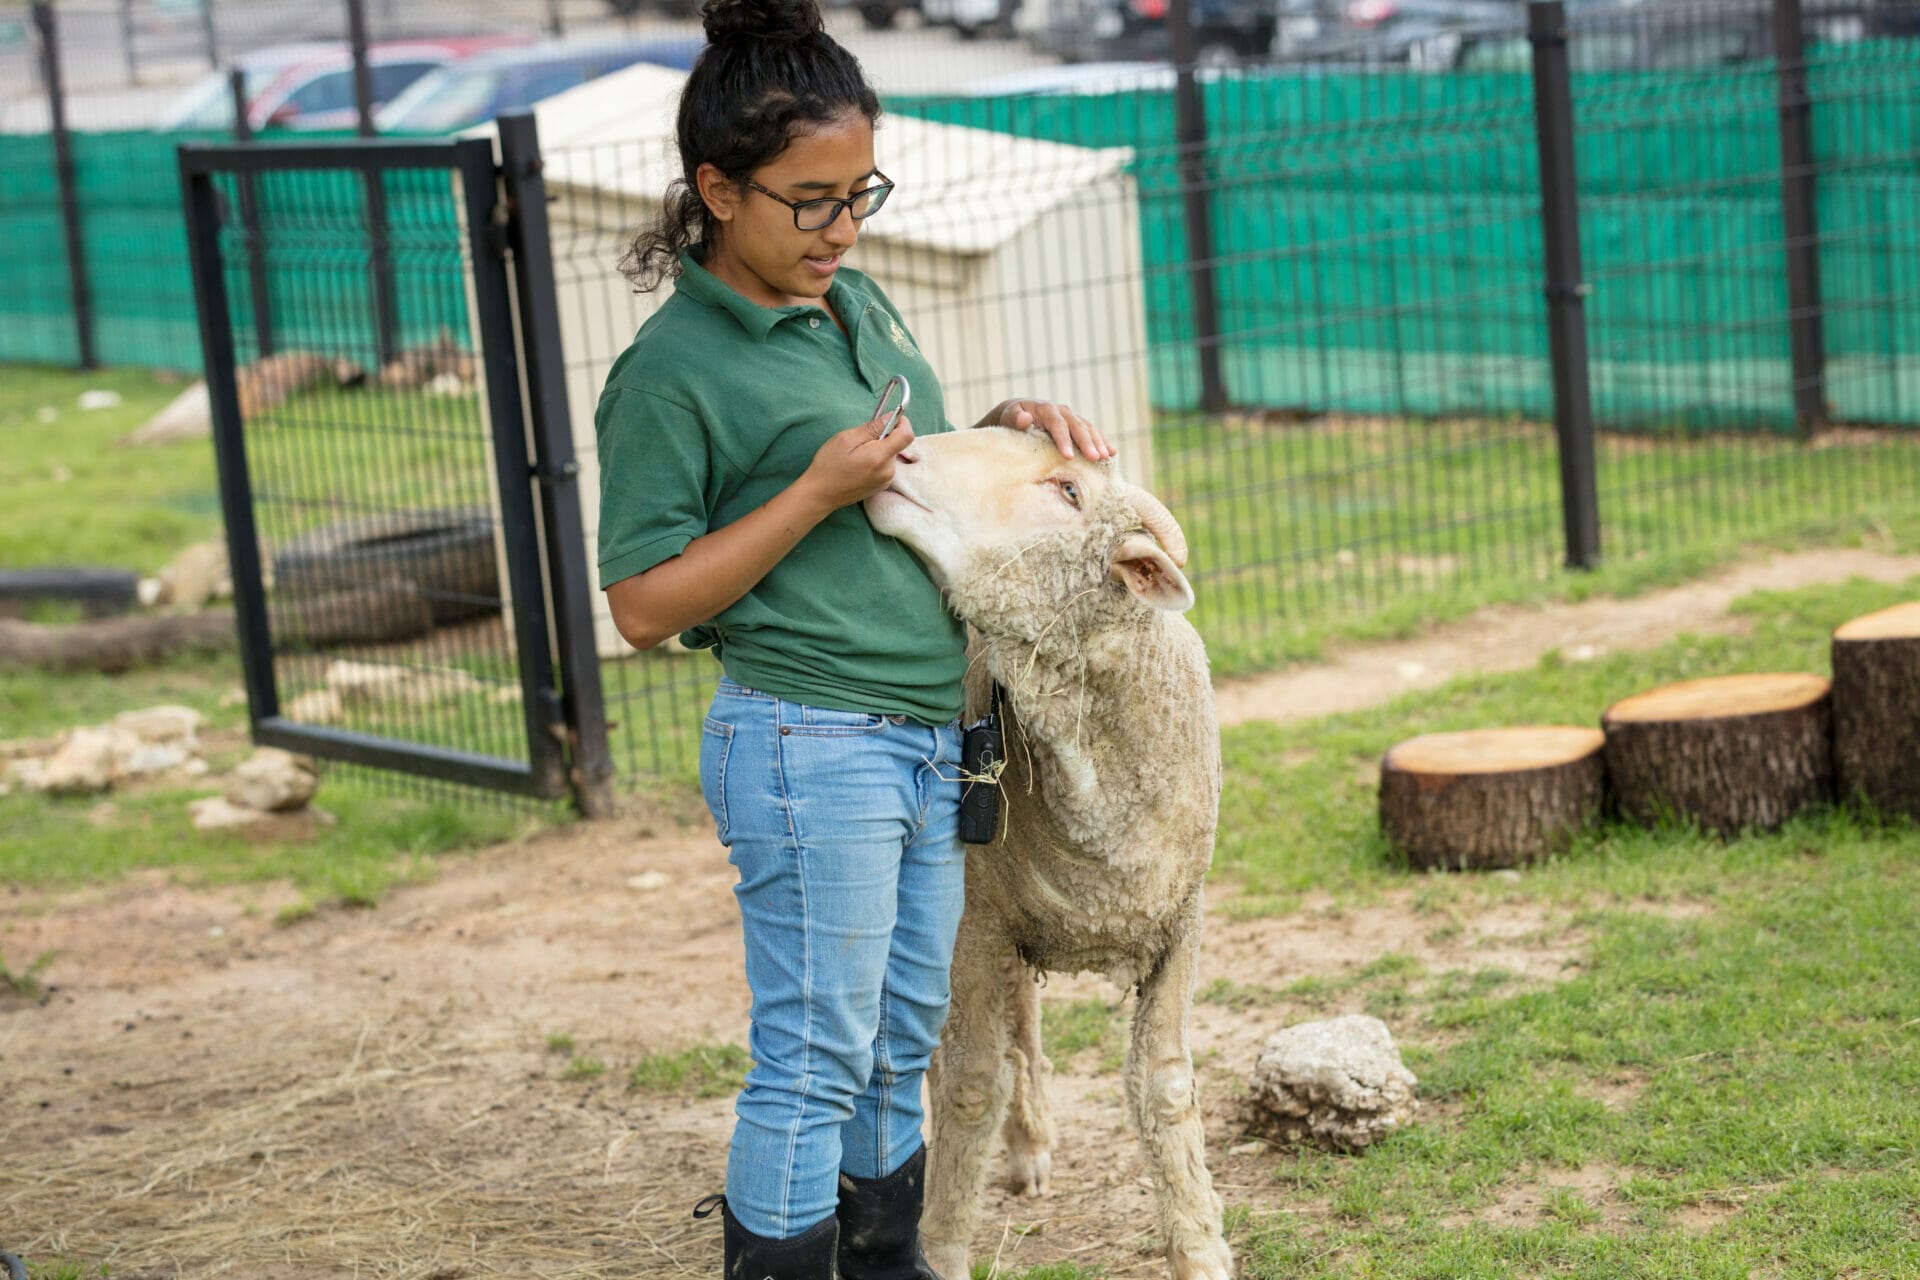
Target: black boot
880, 1224
807, 1256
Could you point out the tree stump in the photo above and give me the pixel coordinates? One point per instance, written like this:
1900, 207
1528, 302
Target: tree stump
1490, 797
1730, 752
1876, 708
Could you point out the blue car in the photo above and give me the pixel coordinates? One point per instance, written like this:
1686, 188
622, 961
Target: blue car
480, 88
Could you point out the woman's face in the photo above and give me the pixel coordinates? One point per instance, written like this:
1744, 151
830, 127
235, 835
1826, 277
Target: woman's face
760, 252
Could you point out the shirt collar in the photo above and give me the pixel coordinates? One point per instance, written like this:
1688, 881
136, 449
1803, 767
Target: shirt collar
703, 286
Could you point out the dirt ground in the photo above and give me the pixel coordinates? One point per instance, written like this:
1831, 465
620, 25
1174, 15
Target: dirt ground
207, 1092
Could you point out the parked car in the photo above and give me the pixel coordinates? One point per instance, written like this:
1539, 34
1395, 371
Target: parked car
971, 19
1620, 35
479, 88
310, 86
1224, 31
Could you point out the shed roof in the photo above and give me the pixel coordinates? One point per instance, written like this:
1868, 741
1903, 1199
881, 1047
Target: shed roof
961, 190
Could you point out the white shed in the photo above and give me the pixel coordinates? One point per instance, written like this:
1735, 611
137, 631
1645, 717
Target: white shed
1016, 262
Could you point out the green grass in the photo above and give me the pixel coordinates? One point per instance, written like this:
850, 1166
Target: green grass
74, 497
35, 704
705, 1071
26, 983
1069, 1027
379, 840
1761, 1057
584, 1069
1372, 528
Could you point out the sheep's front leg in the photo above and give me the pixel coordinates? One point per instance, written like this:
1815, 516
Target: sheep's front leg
968, 1085
1164, 1100
1029, 1132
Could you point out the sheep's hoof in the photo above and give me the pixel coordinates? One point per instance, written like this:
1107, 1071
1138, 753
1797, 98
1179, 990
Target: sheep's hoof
949, 1261
1028, 1172
1203, 1260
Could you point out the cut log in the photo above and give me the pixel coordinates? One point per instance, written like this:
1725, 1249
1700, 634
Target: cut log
1729, 752
1876, 708
1490, 797
113, 645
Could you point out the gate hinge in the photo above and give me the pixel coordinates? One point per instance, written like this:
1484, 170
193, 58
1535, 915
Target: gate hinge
556, 711
565, 473
497, 239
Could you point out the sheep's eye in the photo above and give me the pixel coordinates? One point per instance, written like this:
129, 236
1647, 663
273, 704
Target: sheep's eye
1071, 492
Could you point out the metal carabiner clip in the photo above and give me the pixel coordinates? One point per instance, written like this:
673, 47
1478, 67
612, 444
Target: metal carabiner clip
889, 418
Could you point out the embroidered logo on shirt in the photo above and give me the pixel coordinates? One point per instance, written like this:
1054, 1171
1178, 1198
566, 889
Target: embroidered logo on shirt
900, 338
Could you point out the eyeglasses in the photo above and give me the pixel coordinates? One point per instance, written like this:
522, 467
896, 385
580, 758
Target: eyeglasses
812, 215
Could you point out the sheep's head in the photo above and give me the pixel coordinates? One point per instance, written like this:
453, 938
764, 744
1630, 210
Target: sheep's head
1014, 532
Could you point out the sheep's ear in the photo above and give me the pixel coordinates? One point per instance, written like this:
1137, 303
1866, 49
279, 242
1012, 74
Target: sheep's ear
1150, 573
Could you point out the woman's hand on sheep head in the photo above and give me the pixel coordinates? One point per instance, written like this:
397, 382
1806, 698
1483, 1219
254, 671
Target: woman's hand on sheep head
1071, 433
854, 464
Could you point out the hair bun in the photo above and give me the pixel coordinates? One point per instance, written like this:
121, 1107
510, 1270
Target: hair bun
779, 21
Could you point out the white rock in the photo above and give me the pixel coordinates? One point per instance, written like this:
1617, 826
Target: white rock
1338, 1084
152, 757
88, 761
316, 706
161, 724
213, 813
198, 574
272, 780
99, 399
364, 682
148, 592
646, 881
189, 416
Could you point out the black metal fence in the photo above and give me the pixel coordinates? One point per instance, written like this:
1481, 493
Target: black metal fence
1396, 330
405, 542
1399, 338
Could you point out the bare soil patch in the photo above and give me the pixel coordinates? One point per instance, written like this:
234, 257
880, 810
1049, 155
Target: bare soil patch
205, 1092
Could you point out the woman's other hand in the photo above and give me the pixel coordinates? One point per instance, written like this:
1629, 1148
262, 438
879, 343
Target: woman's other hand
1072, 434
855, 463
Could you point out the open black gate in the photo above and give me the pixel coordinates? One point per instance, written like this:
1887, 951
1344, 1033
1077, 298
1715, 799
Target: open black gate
404, 534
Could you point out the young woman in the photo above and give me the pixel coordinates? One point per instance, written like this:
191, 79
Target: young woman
735, 444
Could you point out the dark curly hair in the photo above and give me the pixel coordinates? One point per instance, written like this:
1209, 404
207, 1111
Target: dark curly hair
769, 72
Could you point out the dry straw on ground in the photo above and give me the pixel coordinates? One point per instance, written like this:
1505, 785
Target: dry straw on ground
375, 1156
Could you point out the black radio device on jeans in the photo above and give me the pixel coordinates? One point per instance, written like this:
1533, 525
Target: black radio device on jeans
981, 758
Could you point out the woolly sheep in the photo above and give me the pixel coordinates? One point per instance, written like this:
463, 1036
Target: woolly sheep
1070, 580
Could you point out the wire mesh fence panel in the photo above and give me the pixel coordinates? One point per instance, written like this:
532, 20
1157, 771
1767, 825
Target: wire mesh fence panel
402, 627
1692, 320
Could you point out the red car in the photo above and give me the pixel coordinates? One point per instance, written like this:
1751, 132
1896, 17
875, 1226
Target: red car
310, 86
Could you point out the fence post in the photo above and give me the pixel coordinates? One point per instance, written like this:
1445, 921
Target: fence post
126, 42
1805, 325
379, 253
63, 174
1190, 126
554, 465
1566, 289
250, 222
207, 35
555, 27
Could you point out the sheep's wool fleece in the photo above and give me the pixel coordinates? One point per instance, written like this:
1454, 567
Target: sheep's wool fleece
1337, 1084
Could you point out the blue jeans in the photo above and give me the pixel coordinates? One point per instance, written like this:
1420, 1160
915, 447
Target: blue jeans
844, 827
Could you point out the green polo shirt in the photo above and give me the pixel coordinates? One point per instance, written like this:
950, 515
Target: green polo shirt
718, 405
